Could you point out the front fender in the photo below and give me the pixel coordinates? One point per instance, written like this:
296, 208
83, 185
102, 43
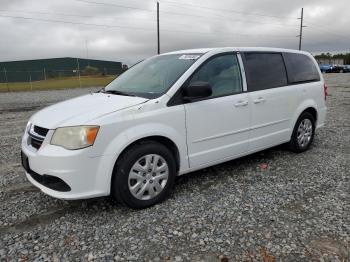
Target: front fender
135, 133
132, 134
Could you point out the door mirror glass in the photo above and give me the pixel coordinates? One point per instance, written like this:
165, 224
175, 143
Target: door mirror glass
197, 90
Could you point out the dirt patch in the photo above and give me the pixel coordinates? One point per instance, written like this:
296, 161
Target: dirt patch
326, 247
19, 109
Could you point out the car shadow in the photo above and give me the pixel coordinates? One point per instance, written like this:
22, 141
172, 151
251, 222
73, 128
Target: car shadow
200, 179
250, 161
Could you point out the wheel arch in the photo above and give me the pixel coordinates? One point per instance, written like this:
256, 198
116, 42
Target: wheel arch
308, 106
170, 144
167, 142
312, 111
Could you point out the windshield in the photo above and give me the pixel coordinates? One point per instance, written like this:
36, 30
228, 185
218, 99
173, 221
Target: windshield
153, 77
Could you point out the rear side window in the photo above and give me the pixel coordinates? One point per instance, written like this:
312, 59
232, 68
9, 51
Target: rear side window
264, 70
300, 68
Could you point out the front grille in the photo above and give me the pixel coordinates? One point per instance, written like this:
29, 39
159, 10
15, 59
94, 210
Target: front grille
37, 135
40, 130
34, 142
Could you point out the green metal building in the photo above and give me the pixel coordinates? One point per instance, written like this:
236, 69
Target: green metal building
42, 69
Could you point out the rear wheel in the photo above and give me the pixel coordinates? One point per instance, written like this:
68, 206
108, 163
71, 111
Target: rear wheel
303, 133
144, 175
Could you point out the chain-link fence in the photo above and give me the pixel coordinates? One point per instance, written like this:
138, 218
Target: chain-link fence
21, 80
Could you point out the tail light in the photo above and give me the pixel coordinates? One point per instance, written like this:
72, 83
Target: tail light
325, 89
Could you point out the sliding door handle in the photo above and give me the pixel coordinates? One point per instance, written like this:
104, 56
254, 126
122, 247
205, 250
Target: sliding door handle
241, 103
259, 100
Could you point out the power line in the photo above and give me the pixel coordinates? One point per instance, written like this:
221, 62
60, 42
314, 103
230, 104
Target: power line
174, 3
182, 14
74, 23
211, 17
71, 15
44, 13
132, 18
86, 16
136, 28
139, 28
117, 5
321, 28
225, 10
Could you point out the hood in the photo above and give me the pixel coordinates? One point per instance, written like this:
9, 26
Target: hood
80, 110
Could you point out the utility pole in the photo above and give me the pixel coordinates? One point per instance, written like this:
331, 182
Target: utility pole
158, 28
78, 66
7, 83
87, 51
30, 81
301, 27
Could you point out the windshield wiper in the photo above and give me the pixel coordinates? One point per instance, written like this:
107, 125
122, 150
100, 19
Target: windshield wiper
116, 92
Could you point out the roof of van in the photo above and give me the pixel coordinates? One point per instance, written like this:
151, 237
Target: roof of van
239, 49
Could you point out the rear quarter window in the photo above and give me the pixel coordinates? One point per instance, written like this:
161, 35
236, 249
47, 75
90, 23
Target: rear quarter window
264, 70
300, 68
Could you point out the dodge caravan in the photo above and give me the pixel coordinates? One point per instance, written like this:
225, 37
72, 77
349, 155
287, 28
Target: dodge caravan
172, 114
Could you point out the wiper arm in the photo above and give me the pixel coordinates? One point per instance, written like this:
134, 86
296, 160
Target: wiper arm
116, 92
101, 90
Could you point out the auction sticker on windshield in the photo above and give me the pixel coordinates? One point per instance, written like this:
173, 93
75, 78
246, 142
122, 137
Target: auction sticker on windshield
189, 57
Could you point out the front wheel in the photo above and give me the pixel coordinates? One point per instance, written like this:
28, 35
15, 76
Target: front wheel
144, 175
303, 133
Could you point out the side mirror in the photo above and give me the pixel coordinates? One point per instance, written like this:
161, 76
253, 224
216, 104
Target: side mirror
197, 90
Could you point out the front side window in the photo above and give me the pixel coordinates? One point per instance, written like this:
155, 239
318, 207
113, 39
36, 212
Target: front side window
264, 71
152, 77
300, 68
222, 73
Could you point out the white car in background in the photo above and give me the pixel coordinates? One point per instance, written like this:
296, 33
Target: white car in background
172, 114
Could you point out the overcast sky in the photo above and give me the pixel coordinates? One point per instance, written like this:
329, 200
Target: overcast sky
111, 31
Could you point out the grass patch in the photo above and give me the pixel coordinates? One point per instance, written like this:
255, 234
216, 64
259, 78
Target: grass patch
58, 83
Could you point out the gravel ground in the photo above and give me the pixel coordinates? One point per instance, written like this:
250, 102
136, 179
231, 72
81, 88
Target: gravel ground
295, 208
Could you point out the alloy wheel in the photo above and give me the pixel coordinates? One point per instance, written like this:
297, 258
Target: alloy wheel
305, 130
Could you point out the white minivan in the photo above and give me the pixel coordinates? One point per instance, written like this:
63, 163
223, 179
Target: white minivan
172, 114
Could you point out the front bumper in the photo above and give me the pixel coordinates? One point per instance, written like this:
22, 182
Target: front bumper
86, 176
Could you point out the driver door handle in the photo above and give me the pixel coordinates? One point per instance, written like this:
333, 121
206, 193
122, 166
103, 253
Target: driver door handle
241, 103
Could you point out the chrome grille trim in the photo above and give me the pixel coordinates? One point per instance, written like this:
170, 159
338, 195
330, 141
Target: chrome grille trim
35, 139
35, 135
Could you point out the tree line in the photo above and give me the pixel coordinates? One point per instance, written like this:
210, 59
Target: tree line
345, 56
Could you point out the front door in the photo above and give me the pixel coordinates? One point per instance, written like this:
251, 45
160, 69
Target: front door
218, 126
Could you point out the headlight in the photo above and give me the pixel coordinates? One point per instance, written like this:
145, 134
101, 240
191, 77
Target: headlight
75, 137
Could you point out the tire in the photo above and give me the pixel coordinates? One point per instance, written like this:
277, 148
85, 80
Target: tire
297, 145
133, 182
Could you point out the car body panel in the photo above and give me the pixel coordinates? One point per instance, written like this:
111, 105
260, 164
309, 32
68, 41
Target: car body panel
217, 129
204, 132
268, 125
82, 109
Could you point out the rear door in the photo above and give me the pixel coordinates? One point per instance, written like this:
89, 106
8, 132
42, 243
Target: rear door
272, 100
